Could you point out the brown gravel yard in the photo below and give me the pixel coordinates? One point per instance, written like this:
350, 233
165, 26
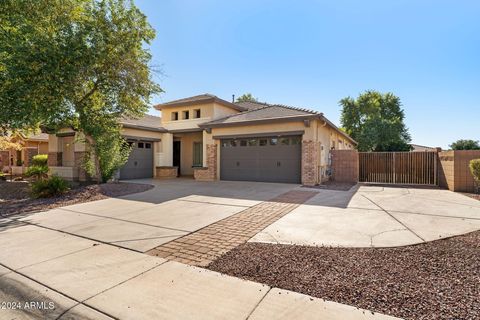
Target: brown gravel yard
435, 280
14, 198
473, 195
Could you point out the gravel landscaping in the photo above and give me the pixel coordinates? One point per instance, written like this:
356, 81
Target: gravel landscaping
435, 280
14, 196
473, 195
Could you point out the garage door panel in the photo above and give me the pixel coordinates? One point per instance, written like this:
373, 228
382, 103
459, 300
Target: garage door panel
267, 162
140, 162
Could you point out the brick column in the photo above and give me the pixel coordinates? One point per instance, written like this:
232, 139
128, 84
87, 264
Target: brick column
310, 162
54, 159
208, 173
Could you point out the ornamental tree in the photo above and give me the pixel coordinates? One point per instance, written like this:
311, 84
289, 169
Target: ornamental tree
77, 63
376, 122
465, 144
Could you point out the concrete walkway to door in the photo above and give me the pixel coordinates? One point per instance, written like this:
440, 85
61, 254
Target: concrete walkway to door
375, 216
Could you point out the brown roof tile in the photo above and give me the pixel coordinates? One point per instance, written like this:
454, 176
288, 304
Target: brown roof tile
147, 122
198, 99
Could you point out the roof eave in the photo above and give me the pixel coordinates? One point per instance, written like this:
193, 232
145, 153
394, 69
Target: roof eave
160, 106
132, 126
267, 120
338, 130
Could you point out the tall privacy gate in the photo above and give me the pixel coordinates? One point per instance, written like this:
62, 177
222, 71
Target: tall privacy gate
398, 167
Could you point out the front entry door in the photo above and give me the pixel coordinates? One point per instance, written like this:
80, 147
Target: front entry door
176, 155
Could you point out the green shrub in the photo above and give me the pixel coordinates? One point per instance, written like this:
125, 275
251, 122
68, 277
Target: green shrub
50, 187
39, 172
40, 160
475, 170
39, 168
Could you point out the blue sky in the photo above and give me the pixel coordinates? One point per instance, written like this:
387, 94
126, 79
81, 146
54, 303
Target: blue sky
314, 53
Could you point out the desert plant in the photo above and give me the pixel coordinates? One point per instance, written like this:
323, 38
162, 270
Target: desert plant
39, 168
475, 170
50, 187
37, 172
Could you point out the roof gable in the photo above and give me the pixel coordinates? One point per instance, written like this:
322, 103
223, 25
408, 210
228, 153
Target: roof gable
199, 99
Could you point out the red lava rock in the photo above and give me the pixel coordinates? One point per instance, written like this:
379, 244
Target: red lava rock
14, 196
435, 280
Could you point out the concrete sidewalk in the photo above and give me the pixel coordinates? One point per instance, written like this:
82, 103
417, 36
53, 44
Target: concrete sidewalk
69, 277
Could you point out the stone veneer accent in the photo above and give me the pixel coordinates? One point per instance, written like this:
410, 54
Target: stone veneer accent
345, 165
166, 172
208, 173
310, 161
54, 159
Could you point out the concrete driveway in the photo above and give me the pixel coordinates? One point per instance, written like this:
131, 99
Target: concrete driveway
88, 259
375, 216
48, 274
146, 220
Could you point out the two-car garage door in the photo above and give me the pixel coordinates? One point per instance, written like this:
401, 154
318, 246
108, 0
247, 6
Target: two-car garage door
268, 159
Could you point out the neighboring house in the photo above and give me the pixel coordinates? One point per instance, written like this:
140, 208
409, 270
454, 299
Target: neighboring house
17, 161
209, 139
419, 148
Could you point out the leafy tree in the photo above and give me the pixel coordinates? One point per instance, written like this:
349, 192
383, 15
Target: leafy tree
7, 142
76, 63
464, 144
375, 121
247, 97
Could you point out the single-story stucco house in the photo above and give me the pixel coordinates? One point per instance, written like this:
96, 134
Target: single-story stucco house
17, 161
209, 138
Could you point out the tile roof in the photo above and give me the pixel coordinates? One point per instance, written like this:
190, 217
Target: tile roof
39, 136
263, 111
201, 98
147, 122
252, 104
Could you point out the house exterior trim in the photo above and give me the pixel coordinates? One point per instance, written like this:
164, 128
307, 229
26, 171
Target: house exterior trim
258, 121
268, 134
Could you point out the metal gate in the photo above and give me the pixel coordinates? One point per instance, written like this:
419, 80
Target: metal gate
398, 167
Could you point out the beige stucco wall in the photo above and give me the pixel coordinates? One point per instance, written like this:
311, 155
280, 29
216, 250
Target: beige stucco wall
186, 150
220, 111
265, 128
206, 114
208, 111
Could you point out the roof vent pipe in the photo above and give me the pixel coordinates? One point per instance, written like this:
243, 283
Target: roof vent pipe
233, 98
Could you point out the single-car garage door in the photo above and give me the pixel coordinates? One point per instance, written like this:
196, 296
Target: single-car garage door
140, 161
268, 159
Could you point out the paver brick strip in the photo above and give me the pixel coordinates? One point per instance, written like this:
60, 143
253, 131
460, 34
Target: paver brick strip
205, 245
